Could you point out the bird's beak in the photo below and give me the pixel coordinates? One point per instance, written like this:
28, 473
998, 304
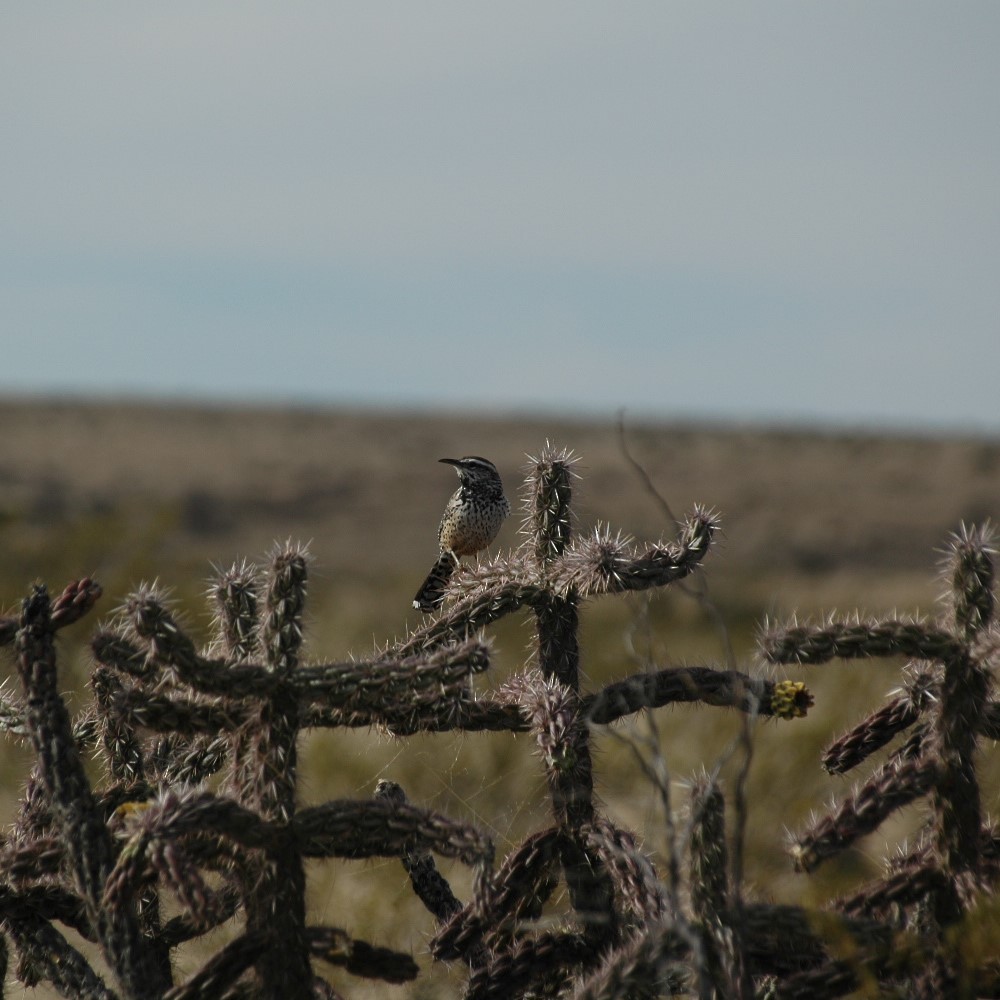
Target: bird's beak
449, 461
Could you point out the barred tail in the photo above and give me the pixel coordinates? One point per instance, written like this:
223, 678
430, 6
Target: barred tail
431, 592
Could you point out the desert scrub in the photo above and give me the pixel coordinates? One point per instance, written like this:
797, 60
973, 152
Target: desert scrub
197, 811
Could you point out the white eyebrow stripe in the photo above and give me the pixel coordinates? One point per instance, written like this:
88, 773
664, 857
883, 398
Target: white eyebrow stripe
476, 460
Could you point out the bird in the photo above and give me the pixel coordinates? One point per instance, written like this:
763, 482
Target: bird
471, 520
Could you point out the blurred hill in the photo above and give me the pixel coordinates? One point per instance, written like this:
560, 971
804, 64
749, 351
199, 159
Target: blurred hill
84, 487
812, 521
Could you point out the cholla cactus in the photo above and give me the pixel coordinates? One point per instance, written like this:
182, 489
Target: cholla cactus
624, 935
166, 715
935, 889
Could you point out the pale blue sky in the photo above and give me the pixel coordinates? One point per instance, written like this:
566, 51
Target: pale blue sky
768, 211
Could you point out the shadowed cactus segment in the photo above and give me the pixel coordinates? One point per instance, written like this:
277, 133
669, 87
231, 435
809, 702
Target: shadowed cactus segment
235, 595
284, 602
970, 566
166, 716
547, 495
946, 707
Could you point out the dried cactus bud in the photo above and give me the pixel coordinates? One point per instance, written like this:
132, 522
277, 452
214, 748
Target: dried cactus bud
790, 700
78, 597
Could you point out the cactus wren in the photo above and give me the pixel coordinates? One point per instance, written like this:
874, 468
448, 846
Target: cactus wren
470, 522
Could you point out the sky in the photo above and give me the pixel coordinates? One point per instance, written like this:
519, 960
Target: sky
771, 212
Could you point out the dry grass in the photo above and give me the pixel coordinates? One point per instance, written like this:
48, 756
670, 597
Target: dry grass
367, 489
